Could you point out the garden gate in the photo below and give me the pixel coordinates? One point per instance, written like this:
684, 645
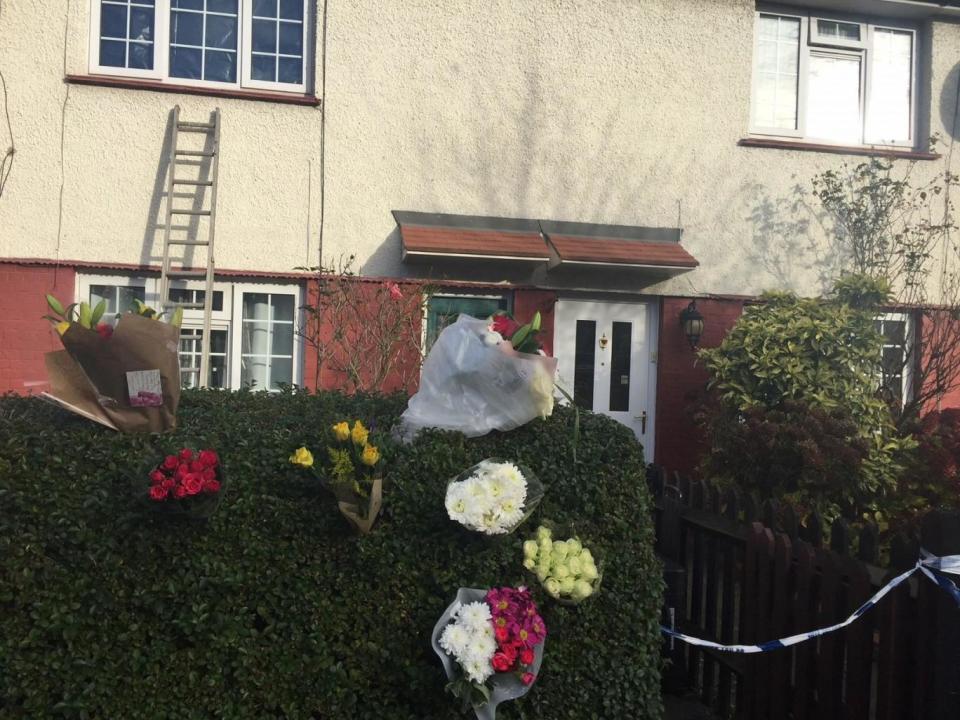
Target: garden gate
739, 573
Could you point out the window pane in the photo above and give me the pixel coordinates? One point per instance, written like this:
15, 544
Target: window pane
140, 56
256, 306
281, 371
289, 70
891, 86
833, 98
218, 371
444, 310
224, 6
291, 9
584, 363
185, 62
188, 4
220, 66
264, 36
620, 352
282, 307
265, 8
113, 21
112, 53
186, 28
254, 338
141, 24
126, 296
291, 38
221, 32
777, 69
838, 30
264, 68
253, 372
282, 341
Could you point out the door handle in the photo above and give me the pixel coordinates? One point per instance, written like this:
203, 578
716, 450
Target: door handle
642, 417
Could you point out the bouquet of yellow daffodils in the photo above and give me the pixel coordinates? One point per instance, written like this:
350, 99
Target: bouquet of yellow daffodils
350, 472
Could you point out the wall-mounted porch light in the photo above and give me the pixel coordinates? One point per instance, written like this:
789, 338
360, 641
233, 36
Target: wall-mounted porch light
692, 323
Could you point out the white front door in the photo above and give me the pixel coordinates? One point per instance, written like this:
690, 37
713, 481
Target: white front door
606, 361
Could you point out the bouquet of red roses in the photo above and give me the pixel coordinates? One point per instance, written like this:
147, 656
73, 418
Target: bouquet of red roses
187, 482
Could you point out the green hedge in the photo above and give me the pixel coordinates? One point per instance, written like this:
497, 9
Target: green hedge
273, 608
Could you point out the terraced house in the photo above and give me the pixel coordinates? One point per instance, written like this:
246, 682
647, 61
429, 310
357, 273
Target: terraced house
605, 163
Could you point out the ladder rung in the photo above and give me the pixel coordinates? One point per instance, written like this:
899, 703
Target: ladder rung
195, 127
177, 181
194, 153
186, 273
174, 241
190, 306
183, 211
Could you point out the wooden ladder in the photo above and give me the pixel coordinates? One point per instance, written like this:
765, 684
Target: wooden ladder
206, 159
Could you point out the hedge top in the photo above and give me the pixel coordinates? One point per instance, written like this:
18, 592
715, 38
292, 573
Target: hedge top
273, 607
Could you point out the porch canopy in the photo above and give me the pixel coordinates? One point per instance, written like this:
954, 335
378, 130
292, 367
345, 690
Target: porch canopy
547, 246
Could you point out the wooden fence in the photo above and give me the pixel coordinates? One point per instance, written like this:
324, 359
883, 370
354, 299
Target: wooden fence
743, 573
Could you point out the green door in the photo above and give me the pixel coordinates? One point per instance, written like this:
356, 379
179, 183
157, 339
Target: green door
443, 310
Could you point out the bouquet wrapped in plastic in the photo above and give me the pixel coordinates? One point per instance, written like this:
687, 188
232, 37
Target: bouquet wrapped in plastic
125, 376
482, 375
491, 645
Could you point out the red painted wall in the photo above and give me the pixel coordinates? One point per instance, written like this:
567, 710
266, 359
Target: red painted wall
681, 380
24, 335
937, 328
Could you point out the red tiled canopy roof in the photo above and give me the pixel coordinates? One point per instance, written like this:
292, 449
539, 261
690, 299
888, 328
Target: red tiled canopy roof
426, 240
619, 251
557, 243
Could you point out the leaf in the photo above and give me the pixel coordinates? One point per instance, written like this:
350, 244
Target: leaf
55, 305
98, 312
535, 323
85, 314
520, 336
177, 318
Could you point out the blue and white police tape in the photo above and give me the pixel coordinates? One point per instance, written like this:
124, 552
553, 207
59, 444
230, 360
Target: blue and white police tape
931, 566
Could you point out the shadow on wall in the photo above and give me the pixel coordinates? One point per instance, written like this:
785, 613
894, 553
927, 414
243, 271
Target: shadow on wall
188, 168
527, 154
950, 102
789, 239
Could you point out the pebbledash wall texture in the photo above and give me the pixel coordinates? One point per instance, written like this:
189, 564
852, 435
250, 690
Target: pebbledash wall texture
613, 113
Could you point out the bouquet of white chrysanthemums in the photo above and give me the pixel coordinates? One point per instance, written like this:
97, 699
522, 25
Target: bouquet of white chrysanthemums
493, 497
470, 640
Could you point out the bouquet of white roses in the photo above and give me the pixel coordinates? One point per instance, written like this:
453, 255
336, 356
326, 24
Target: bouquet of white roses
493, 497
567, 569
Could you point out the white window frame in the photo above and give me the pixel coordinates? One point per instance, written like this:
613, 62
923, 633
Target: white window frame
811, 43
909, 346
816, 39
159, 36
85, 281
226, 326
161, 60
236, 344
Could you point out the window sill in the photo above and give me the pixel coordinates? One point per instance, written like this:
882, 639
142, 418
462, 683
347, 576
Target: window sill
238, 94
888, 152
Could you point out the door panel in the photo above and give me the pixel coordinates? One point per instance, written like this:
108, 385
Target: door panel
604, 353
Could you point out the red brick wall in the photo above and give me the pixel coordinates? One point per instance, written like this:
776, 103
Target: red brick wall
369, 293
24, 335
681, 379
528, 302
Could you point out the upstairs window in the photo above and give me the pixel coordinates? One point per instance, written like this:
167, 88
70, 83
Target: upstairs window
834, 80
257, 44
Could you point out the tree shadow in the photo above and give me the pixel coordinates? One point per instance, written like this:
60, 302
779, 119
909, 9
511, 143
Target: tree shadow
790, 239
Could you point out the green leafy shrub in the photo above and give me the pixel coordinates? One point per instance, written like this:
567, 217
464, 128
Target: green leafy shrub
825, 355
273, 608
809, 457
